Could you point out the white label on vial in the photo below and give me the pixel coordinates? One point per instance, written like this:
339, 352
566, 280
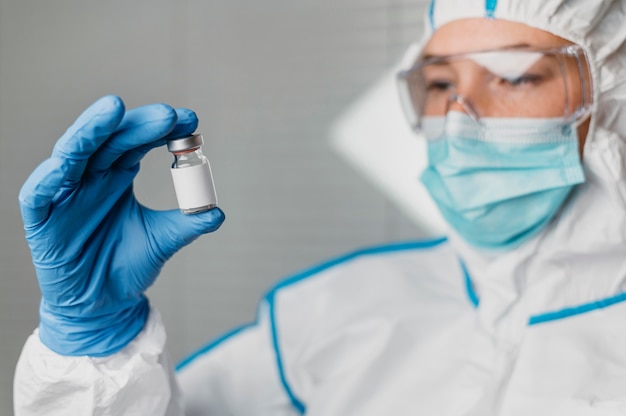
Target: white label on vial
194, 186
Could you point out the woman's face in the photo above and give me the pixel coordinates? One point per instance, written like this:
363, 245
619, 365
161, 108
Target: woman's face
479, 34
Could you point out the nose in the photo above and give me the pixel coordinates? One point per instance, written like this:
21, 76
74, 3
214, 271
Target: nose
456, 102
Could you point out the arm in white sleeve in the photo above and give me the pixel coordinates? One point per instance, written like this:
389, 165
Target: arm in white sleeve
137, 380
237, 374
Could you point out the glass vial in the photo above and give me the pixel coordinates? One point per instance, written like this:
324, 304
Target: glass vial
191, 173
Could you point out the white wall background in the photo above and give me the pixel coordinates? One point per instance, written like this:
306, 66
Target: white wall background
267, 79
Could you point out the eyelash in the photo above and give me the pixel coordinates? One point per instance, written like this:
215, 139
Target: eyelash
438, 85
525, 79
530, 79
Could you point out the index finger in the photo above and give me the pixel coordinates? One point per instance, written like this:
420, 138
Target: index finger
140, 126
186, 124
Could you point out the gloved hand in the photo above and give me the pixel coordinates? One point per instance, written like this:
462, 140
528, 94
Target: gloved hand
94, 247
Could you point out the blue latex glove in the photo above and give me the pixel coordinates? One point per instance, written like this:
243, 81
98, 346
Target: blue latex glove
94, 247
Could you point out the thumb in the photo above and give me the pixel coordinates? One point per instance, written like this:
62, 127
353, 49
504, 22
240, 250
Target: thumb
173, 230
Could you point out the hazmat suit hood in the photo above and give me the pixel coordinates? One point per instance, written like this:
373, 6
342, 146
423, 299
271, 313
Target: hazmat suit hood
597, 26
579, 259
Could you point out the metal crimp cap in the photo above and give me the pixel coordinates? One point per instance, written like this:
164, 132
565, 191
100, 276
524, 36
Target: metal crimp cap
185, 143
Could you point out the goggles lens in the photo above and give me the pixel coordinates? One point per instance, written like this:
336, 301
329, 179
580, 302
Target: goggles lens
504, 83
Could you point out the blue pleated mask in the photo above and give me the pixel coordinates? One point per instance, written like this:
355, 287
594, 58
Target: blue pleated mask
499, 182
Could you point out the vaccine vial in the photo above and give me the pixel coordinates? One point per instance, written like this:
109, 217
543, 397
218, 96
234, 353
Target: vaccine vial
191, 173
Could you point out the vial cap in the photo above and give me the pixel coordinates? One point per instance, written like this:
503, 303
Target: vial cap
185, 143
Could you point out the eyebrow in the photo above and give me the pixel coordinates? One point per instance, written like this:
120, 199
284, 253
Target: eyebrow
513, 46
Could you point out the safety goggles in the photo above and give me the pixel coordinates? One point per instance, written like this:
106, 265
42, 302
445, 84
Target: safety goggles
502, 83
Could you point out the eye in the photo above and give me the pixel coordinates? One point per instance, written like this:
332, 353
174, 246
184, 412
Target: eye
524, 80
439, 86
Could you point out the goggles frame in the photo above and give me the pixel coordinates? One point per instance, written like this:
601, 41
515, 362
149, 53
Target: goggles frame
576, 116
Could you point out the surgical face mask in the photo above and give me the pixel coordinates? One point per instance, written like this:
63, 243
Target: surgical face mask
499, 181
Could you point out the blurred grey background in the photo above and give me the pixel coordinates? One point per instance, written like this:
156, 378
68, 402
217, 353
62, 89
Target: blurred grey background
266, 78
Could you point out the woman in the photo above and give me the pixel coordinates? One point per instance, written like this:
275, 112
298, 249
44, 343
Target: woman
519, 311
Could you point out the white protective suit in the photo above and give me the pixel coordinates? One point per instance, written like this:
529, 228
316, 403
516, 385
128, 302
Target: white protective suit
430, 328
